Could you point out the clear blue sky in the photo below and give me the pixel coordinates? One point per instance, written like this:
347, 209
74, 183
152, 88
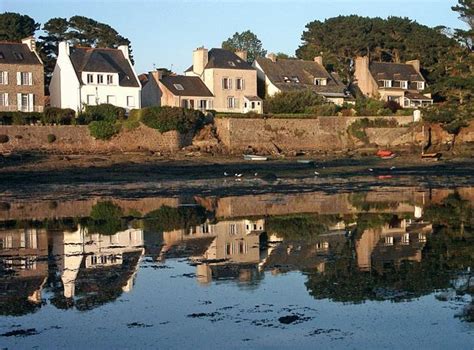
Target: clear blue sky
165, 32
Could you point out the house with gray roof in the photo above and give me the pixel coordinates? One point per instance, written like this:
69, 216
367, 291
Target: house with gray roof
162, 88
293, 75
229, 77
91, 76
400, 82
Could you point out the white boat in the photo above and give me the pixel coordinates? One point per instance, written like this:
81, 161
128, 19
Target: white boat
305, 161
254, 157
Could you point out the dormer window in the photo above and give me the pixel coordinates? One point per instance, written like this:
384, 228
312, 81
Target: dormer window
286, 79
18, 56
420, 85
403, 84
295, 79
232, 64
320, 81
110, 79
90, 78
178, 87
100, 79
386, 83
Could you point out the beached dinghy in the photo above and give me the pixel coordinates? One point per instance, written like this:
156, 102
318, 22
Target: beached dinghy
254, 157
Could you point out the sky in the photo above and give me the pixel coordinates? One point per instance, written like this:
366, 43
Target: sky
163, 33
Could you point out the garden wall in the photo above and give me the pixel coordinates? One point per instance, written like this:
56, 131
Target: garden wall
77, 139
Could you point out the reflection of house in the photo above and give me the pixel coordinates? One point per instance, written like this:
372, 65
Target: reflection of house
23, 267
391, 244
229, 77
226, 249
161, 89
91, 76
296, 75
78, 251
400, 82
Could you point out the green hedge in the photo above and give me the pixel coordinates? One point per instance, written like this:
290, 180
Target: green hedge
20, 118
51, 115
103, 130
171, 118
60, 116
102, 112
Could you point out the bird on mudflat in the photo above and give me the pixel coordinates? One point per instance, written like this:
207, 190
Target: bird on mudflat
316, 173
226, 174
370, 169
238, 175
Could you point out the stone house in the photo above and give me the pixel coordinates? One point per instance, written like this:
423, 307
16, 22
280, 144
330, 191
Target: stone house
91, 76
21, 77
229, 77
294, 75
400, 82
162, 89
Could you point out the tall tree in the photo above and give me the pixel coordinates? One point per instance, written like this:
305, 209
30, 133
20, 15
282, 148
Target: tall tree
465, 8
245, 41
14, 27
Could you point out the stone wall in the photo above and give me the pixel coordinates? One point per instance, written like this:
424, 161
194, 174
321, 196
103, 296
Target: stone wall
77, 139
319, 134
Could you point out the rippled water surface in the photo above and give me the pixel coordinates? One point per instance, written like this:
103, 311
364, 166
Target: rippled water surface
386, 268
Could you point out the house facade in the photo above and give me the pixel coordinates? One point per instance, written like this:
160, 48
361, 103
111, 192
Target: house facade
230, 79
165, 89
91, 76
400, 82
21, 77
294, 75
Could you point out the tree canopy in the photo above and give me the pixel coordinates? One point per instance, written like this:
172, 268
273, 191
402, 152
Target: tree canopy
245, 41
14, 27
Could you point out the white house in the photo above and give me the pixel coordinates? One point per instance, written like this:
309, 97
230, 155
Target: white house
90, 76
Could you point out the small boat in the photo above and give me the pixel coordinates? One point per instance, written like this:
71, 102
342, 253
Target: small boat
385, 154
431, 156
305, 161
393, 155
254, 157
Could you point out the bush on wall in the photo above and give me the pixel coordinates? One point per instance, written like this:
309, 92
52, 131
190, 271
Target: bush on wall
102, 112
172, 118
60, 116
103, 130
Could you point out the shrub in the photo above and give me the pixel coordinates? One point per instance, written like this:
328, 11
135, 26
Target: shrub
393, 106
172, 118
369, 107
325, 109
292, 102
103, 130
54, 115
168, 219
106, 218
102, 112
133, 120
51, 138
19, 118
4, 138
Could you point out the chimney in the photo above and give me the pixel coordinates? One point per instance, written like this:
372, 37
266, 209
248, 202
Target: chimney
30, 42
272, 57
362, 62
319, 60
242, 54
200, 59
415, 64
63, 49
124, 49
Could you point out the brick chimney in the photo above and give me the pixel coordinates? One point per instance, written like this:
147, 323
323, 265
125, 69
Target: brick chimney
30, 42
200, 59
415, 64
319, 60
124, 49
242, 54
272, 57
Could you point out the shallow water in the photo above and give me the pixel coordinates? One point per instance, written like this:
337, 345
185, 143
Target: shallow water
385, 268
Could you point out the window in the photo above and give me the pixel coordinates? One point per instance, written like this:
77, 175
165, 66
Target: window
406, 238
24, 78
4, 99
110, 79
226, 83
100, 79
228, 249
286, 79
253, 105
420, 85
320, 81
91, 100
90, 78
232, 229
178, 87
203, 104
232, 64
231, 103
295, 79
389, 240
403, 84
111, 99
386, 83
239, 84
130, 101
25, 102
241, 247
3, 78
93, 260
185, 104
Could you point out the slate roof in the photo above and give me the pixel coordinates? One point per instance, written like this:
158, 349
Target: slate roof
282, 72
192, 86
12, 53
225, 59
102, 60
394, 71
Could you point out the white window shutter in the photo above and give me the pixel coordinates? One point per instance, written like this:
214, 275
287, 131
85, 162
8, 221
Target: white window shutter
18, 78
30, 78
6, 98
5, 78
31, 102
18, 100
230, 83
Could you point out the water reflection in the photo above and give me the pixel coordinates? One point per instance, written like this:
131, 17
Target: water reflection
351, 247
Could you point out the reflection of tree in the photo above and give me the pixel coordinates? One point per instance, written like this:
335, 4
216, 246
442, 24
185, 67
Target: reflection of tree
106, 219
168, 219
300, 227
